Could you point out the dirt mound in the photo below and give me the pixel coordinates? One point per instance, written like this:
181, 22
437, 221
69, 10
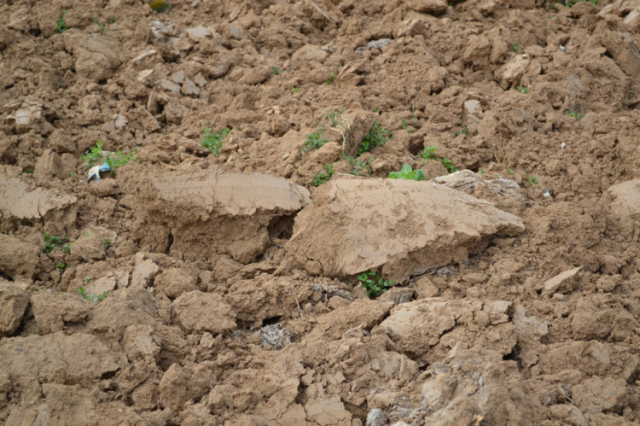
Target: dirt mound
211, 277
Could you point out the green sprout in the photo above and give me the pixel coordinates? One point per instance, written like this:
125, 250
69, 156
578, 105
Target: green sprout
407, 173
315, 140
275, 70
463, 131
377, 136
532, 180
570, 3
212, 141
98, 23
523, 90
331, 79
107, 243
374, 284
408, 127
429, 153
575, 115
51, 242
322, 177
295, 88
92, 297
516, 47
61, 267
115, 160
357, 165
509, 172
61, 25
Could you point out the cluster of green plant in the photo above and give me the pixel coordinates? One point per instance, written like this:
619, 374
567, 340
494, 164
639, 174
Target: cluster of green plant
322, 177
97, 22
61, 25
357, 165
295, 88
29, 171
377, 136
212, 141
107, 243
275, 70
61, 266
377, 111
575, 115
334, 118
523, 90
509, 172
516, 47
51, 242
92, 297
569, 3
532, 180
408, 173
463, 131
66, 248
115, 160
331, 79
111, 19
315, 140
407, 126
429, 153
373, 283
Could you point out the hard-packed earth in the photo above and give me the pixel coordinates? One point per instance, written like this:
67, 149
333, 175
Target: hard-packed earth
200, 290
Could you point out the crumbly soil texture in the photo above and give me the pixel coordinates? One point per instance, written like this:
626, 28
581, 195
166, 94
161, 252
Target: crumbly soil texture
210, 287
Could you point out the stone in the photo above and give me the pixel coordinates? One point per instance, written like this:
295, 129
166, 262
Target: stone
419, 226
514, 69
18, 258
52, 311
198, 32
143, 273
168, 86
434, 7
197, 312
12, 309
626, 202
562, 283
173, 282
189, 88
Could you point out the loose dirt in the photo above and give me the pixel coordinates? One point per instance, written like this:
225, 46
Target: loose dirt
195, 290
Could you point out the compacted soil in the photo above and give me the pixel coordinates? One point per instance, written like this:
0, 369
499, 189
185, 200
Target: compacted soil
189, 288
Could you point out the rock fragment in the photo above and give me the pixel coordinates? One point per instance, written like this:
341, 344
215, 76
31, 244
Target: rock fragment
197, 312
561, 283
17, 257
12, 309
434, 7
418, 227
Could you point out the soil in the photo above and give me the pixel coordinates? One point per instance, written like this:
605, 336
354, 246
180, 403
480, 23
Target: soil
189, 289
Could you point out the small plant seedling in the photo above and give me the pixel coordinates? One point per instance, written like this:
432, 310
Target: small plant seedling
66, 248
315, 140
159, 5
509, 172
429, 153
322, 177
92, 297
408, 127
357, 165
275, 70
87, 280
115, 160
630, 96
532, 180
570, 3
575, 115
212, 141
112, 19
377, 136
463, 131
516, 47
523, 90
61, 25
61, 267
29, 171
97, 22
107, 243
331, 79
51, 242
295, 89
481, 172
408, 173
377, 111
373, 283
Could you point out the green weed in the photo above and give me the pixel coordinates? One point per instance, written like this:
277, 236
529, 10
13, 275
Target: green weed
111, 19
98, 23
275, 70
481, 171
377, 136
322, 177
51, 242
463, 131
115, 160
516, 47
295, 89
87, 280
377, 111
407, 126
66, 248
61, 266
523, 90
407, 173
61, 25
569, 3
373, 283
532, 180
429, 153
212, 141
509, 172
92, 297
575, 115
315, 140
331, 79
29, 171
357, 166
107, 243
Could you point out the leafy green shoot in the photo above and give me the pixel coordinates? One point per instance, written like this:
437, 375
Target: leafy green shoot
322, 177
315, 140
61, 25
92, 297
407, 173
429, 153
357, 165
212, 141
373, 283
51, 242
377, 136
